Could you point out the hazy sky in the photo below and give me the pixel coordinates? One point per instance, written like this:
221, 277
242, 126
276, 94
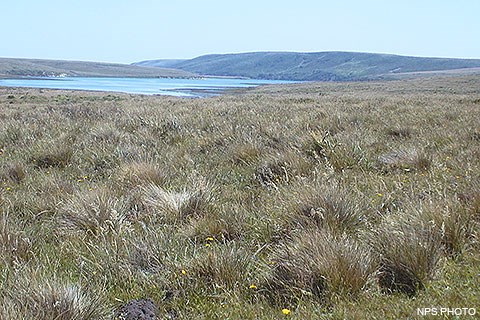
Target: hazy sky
134, 30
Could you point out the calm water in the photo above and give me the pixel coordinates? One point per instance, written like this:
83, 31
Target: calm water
163, 86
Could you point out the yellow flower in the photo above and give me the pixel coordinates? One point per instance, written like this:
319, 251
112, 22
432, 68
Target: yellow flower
207, 244
379, 194
8, 188
286, 311
209, 239
252, 286
184, 272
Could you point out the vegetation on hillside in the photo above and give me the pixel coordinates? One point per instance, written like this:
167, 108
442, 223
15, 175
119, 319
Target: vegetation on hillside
307, 201
55, 68
319, 66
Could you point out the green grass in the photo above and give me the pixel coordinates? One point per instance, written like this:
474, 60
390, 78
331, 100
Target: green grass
355, 200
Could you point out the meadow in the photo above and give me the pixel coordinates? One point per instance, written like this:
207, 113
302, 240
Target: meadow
305, 201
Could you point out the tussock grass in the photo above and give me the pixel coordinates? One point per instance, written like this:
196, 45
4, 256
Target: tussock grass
95, 212
226, 224
14, 172
16, 246
140, 174
51, 299
49, 155
329, 207
404, 160
226, 267
455, 225
172, 206
316, 263
332, 200
408, 251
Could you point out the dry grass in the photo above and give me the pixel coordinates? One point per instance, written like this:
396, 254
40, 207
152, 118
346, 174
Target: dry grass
46, 299
316, 263
334, 200
172, 206
408, 252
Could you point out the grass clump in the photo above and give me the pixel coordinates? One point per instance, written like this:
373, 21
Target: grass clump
95, 212
317, 263
174, 206
14, 172
46, 299
52, 155
15, 246
408, 252
136, 174
404, 160
220, 268
329, 207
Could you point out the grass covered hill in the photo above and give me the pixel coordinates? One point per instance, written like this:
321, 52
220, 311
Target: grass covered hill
305, 201
42, 68
322, 66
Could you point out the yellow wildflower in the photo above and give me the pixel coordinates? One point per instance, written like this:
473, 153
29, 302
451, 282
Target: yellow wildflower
252, 286
8, 188
207, 244
184, 272
286, 311
380, 194
209, 239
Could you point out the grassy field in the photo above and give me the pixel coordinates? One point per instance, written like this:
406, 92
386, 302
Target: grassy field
307, 201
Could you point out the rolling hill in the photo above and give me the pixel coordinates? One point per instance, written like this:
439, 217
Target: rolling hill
323, 66
54, 68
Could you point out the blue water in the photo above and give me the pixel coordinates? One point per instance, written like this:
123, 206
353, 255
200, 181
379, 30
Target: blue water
163, 86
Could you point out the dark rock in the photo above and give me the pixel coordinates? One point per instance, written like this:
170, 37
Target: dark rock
139, 309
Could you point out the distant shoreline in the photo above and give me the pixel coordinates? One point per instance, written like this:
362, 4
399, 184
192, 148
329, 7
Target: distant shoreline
181, 87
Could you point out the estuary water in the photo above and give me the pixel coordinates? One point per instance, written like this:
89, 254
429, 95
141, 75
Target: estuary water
179, 87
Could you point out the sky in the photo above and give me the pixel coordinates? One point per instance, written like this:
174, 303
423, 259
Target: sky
127, 31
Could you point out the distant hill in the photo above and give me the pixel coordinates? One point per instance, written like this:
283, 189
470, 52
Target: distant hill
40, 68
161, 63
323, 66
